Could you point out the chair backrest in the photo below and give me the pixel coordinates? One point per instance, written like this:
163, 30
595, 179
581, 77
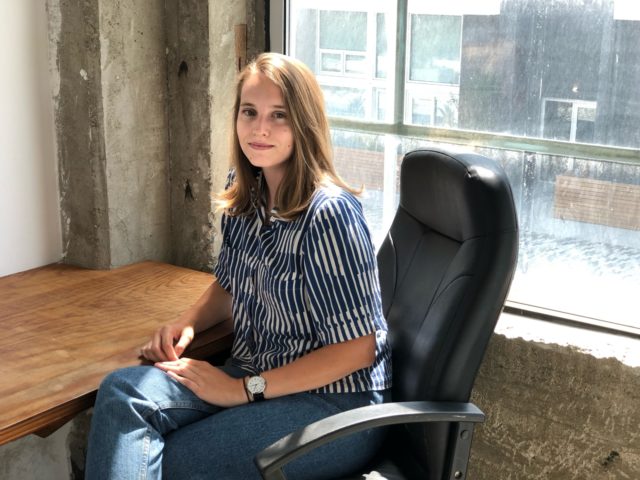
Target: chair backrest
445, 269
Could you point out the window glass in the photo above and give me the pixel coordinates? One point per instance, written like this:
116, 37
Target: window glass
343, 101
435, 48
432, 105
343, 30
331, 62
557, 120
382, 64
571, 52
579, 233
585, 124
371, 161
542, 74
351, 48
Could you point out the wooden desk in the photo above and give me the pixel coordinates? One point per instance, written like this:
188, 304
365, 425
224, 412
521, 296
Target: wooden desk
64, 328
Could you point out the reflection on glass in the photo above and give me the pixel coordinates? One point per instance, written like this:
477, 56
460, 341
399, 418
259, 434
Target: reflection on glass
342, 30
585, 124
382, 56
381, 102
435, 48
356, 64
432, 105
331, 62
557, 120
569, 120
352, 51
422, 111
344, 102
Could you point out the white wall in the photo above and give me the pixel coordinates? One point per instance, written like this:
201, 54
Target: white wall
29, 207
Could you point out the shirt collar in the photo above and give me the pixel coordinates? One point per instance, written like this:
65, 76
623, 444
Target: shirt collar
258, 199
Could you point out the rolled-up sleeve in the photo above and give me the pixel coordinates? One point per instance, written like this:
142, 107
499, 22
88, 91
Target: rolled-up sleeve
342, 286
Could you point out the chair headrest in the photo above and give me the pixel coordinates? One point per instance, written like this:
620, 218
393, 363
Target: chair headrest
460, 195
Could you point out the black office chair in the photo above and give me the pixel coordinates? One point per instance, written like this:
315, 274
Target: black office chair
445, 269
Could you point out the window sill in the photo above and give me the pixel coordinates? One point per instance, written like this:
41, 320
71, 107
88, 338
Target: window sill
598, 343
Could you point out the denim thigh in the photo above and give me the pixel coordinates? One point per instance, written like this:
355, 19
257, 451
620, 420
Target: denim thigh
223, 445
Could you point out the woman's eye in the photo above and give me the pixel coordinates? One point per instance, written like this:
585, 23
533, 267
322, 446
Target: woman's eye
279, 115
248, 112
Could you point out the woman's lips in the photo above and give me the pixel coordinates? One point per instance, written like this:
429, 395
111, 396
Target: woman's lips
260, 146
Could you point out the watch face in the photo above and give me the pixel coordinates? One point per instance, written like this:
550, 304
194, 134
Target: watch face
256, 384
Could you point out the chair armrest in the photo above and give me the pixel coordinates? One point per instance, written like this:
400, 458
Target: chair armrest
271, 460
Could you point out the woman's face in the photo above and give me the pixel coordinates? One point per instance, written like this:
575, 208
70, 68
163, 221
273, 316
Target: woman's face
263, 127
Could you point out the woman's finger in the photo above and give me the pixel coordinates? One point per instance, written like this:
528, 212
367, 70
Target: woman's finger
167, 336
185, 339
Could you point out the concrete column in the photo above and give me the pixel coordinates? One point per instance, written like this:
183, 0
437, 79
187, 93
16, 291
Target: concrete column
143, 122
201, 78
257, 28
133, 68
80, 132
111, 130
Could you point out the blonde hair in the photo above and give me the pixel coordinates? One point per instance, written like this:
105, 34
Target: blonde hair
311, 162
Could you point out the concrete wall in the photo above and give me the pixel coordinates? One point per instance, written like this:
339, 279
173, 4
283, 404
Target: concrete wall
133, 70
142, 122
112, 130
29, 211
555, 414
561, 403
201, 79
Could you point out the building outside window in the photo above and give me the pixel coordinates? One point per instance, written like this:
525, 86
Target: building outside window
433, 84
548, 88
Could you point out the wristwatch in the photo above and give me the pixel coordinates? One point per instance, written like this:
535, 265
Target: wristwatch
255, 387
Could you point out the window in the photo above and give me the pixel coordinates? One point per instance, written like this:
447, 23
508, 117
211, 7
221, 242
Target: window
342, 42
549, 89
350, 48
571, 120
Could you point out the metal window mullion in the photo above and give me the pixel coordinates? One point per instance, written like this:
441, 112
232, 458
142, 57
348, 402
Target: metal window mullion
401, 61
391, 141
390, 174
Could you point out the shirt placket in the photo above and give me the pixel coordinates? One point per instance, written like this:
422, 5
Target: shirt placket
264, 238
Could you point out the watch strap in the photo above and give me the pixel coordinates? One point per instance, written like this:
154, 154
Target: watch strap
246, 390
258, 397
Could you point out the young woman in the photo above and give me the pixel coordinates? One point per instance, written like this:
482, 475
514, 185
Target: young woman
297, 273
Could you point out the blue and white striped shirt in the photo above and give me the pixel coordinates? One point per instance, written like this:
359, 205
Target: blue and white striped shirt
301, 284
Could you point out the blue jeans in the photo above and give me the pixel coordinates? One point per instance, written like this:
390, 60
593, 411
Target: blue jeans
146, 425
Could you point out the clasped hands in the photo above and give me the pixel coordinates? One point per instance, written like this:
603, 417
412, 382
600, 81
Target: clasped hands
207, 382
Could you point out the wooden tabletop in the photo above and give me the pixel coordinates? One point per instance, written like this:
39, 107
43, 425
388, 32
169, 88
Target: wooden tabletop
64, 328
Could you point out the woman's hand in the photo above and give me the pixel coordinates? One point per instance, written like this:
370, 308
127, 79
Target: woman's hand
168, 343
209, 383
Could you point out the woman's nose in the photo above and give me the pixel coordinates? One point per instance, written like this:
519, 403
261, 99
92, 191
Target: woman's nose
261, 126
